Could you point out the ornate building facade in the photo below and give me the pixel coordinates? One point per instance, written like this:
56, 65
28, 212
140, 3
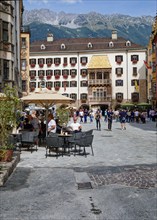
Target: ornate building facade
94, 71
151, 68
10, 24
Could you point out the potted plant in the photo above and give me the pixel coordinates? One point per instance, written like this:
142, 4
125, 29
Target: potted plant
8, 107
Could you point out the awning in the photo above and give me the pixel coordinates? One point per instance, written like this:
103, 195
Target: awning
99, 62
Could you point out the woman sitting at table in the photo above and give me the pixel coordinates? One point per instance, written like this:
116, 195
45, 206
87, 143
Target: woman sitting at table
51, 124
76, 127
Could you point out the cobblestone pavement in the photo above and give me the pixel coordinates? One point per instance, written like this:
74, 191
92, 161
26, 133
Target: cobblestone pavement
143, 176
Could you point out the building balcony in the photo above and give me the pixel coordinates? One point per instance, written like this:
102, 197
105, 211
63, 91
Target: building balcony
25, 29
100, 100
93, 82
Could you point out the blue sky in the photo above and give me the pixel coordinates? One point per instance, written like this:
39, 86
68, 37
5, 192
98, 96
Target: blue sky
128, 7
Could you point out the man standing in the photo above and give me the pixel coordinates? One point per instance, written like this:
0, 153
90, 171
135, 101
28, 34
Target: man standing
97, 118
109, 117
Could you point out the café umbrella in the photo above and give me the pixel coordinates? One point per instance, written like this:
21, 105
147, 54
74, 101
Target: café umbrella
46, 98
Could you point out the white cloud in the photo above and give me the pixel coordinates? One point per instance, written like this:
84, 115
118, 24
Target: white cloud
71, 1
37, 1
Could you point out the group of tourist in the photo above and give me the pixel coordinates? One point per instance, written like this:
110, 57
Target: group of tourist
37, 122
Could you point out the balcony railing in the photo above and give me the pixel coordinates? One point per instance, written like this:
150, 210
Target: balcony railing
99, 81
100, 99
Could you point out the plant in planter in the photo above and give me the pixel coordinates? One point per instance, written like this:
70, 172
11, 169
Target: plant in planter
8, 107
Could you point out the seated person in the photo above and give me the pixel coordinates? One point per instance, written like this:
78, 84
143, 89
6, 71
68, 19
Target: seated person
76, 127
51, 124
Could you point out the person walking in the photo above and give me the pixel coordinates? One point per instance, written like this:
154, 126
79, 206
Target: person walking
97, 119
122, 117
110, 117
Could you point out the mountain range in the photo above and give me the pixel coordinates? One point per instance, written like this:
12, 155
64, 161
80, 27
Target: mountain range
92, 25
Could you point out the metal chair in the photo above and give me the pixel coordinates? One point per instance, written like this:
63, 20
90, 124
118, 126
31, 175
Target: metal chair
84, 142
29, 140
53, 143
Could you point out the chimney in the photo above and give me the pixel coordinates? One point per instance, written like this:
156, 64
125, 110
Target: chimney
114, 35
50, 38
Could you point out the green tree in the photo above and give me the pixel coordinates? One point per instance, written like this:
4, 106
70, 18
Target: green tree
8, 106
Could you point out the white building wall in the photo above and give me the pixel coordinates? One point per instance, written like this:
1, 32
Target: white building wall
127, 66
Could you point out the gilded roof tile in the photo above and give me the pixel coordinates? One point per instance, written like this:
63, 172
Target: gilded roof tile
99, 62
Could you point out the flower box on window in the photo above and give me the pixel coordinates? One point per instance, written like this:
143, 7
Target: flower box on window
65, 76
83, 64
32, 65
84, 74
32, 89
41, 65
49, 64
119, 62
57, 76
32, 77
65, 64
56, 64
48, 77
73, 64
49, 87
41, 77
134, 61
57, 88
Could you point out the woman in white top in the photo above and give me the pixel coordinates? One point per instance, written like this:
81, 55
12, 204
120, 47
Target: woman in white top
51, 124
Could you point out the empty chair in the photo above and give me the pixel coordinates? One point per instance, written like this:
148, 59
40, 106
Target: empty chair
53, 143
29, 140
89, 132
85, 142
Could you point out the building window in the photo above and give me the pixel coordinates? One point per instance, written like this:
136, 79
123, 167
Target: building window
32, 74
83, 60
57, 61
83, 96
84, 83
65, 73
73, 96
57, 74
65, 84
134, 58
65, 61
92, 75
119, 82
23, 64
119, 59
119, 96
134, 82
6, 69
73, 61
49, 85
84, 72
41, 74
128, 43
5, 31
119, 71
73, 73
23, 42
41, 62
32, 86
49, 62
24, 85
111, 44
48, 74
134, 71
57, 85
90, 45
73, 84
62, 46
99, 75
32, 62
135, 97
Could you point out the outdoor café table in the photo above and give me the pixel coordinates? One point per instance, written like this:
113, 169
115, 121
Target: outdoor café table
66, 144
